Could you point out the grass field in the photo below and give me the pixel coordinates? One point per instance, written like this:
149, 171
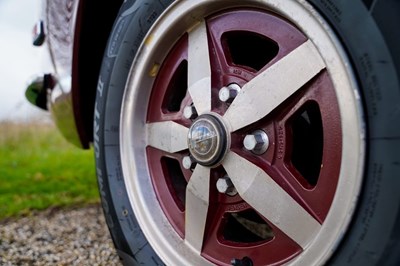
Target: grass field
39, 169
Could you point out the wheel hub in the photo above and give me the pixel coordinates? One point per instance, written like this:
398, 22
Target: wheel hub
207, 140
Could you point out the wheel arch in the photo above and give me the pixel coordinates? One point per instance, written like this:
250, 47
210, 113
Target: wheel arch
94, 21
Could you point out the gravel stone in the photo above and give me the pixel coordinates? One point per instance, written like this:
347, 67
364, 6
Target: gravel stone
58, 237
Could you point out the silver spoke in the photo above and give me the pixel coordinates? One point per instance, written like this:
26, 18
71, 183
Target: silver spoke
167, 136
197, 197
277, 83
270, 200
199, 70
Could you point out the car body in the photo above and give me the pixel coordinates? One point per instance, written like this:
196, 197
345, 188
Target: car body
75, 33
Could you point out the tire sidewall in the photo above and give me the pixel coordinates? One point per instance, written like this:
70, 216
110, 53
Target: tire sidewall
371, 236
133, 22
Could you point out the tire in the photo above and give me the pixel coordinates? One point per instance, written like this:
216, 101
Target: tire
171, 195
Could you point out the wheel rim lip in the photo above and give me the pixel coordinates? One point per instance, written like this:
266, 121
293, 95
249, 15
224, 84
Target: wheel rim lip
353, 113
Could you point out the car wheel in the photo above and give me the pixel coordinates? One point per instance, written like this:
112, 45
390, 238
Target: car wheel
250, 133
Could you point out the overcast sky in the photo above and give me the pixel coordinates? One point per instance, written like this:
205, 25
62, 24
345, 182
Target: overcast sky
19, 59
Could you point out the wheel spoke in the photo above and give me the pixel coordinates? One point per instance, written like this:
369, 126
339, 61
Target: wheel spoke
261, 192
197, 198
273, 86
199, 70
167, 136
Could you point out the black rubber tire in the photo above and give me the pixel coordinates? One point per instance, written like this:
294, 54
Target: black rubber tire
132, 23
368, 31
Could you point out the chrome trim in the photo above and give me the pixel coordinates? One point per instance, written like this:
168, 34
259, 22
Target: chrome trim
60, 105
54, 95
36, 92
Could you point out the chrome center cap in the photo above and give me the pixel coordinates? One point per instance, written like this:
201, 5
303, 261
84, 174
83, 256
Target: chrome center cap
207, 140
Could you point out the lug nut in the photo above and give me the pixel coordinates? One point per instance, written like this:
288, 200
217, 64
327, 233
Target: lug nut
257, 142
188, 163
225, 185
227, 94
190, 112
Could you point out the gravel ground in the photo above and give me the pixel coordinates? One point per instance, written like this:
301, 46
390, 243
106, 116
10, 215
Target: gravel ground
58, 237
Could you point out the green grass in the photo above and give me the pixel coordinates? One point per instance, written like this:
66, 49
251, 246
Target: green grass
39, 169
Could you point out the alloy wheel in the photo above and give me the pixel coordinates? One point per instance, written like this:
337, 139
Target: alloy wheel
241, 134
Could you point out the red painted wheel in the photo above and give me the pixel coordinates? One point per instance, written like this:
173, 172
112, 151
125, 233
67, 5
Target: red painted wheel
305, 124
245, 137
